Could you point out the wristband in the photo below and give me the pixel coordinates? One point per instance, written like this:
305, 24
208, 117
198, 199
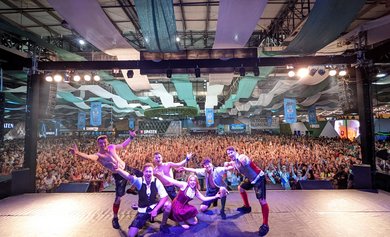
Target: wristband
187, 159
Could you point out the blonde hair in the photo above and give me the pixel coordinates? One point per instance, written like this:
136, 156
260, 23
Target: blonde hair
197, 186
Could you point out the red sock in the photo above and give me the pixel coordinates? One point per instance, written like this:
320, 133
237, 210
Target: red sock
115, 208
244, 197
265, 212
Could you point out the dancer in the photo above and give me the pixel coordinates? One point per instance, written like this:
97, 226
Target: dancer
214, 183
107, 156
254, 179
181, 211
166, 169
149, 206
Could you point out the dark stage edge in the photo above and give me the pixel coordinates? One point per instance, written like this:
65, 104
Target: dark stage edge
292, 213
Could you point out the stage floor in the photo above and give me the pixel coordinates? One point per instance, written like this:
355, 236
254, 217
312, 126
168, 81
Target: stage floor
292, 213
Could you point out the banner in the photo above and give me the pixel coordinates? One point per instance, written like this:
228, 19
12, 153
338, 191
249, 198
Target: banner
131, 123
81, 120
268, 122
312, 115
209, 116
96, 114
290, 110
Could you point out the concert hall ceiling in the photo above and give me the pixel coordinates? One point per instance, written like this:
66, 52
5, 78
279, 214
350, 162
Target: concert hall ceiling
231, 56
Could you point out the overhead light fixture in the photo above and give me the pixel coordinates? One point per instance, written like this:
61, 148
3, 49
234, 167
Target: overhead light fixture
242, 71
76, 77
291, 73
303, 72
96, 77
380, 73
130, 73
256, 71
332, 72
197, 72
116, 72
57, 77
87, 77
342, 72
313, 71
321, 71
49, 77
169, 73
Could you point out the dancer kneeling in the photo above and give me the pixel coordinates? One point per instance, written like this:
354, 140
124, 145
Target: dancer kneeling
181, 211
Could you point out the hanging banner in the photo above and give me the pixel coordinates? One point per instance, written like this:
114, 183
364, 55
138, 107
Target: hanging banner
96, 114
312, 115
131, 123
209, 116
290, 110
81, 120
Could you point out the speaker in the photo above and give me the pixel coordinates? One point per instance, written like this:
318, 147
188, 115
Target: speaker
72, 188
362, 176
315, 184
47, 99
5, 186
2, 106
23, 181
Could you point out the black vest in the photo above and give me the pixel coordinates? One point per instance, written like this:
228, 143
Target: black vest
143, 199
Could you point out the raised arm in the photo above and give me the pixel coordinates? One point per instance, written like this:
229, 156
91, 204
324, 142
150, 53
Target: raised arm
181, 163
205, 199
131, 137
186, 169
75, 151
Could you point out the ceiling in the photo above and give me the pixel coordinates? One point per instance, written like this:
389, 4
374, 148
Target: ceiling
218, 37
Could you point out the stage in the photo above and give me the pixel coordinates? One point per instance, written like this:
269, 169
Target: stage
292, 213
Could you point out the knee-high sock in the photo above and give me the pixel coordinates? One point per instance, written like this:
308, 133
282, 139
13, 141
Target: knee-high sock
115, 209
265, 212
223, 203
165, 217
244, 197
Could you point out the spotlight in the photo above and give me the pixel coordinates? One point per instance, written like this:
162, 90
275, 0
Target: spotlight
197, 72
312, 71
242, 71
291, 73
76, 77
332, 72
256, 71
169, 73
342, 72
49, 78
303, 72
96, 77
380, 73
87, 77
57, 77
116, 72
130, 73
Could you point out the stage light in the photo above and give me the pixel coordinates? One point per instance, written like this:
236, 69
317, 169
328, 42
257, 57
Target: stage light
342, 72
242, 71
49, 78
96, 77
130, 73
321, 71
256, 71
57, 77
312, 71
303, 72
332, 72
76, 77
380, 73
169, 73
291, 73
87, 77
197, 72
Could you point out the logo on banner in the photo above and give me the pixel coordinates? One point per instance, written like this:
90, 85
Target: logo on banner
312, 115
290, 111
131, 123
96, 114
81, 120
209, 117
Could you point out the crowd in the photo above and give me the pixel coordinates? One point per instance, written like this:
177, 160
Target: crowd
286, 159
